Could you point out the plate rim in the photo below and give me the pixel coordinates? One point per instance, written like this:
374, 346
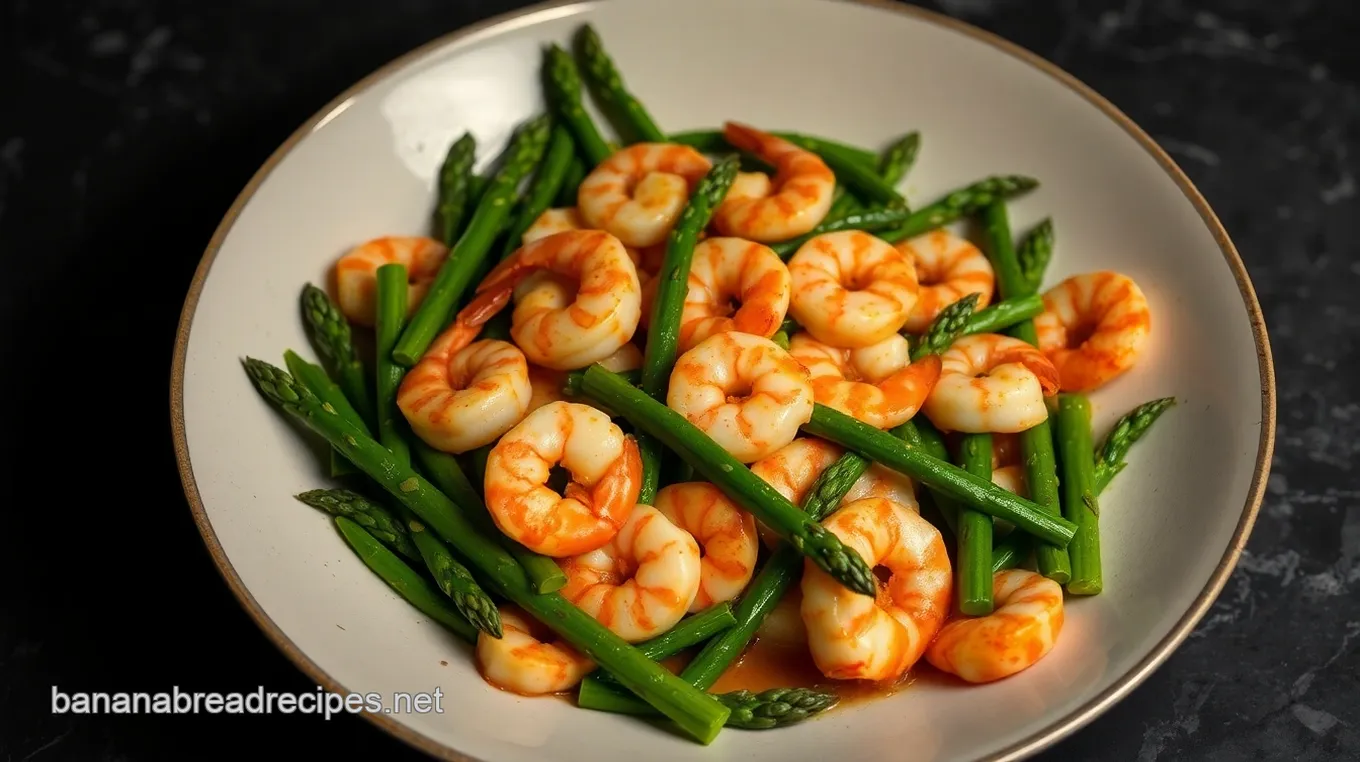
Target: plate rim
1040, 739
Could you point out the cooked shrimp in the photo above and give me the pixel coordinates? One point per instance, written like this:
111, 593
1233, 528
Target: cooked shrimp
1011, 478
794, 468
458, 401
855, 637
989, 382
877, 384
1021, 630
745, 392
638, 193
642, 582
356, 273
553, 329
545, 386
762, 209
606, 474
851, 289
647, 259
629, 357
726, 533
725, 270
948, 268
522, 662
1093, 328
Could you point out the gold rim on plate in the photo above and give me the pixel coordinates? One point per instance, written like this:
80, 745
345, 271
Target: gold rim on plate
1035, 742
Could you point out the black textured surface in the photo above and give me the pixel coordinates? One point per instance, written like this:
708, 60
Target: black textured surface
128, 127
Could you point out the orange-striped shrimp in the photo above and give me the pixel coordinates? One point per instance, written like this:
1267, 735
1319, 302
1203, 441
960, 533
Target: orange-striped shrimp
552, 330
855, 637
647, 259
744, 391
606, 475
877, 384
762, 209
1093, 328
991, 383
356, 273
726, 533
457, 401
851, 289
727, 270
641, 582
948, 268
1021, 630
524, 661
638, 193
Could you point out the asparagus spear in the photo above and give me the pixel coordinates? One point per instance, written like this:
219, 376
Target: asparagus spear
774, 708
712, 141
975, 533
1011, 551
391, 319
946, 327
456, 274
959, 204
863, 179
455, 177
1079, 491
403, 579
1034, 252
780, 339
663, 331
564, 92
374, 518
1004, 314
1036, 443
1127, 430
691, 631
869, 219
832, 485
334, 343
897, 159
609, 87
552, 173
315, 379
455, 580
732, 477
571, 182
694, 711
920, 435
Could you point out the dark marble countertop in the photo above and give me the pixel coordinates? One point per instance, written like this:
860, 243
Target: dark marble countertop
128, 127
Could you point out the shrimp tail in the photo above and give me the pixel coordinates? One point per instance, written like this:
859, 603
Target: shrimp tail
621, 483
909, 387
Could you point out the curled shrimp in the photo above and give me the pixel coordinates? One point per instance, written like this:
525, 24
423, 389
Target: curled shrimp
647, 260
356, 273
877, 384
554, 330
726, 533
744, 391
1021, 630
1012, 479
456, 401
606, 475
991, 383
948, 268
762, 209
794, 468
851, 289
1093, 328
638, 193
727, 270
855, 637
522, 660
642, 581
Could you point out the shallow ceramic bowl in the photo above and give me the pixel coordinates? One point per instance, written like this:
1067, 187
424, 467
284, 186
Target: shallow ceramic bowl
1173, 523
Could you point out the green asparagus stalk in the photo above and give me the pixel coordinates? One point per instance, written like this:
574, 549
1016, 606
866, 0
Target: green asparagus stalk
564, 92
690, 631
391, 319
1004, 314
712, 141
571, 182
780, 339
552, 173
946, 327
663, 331
315, 379
833, 483
897, 159
744, 488
1034, 252
790, 326
1036, 443
975, 533
973, 491
333, 341
774, 708
864, 180
1079, 492
455, 177
374, 518
959, 204
406, 581
698, 714
1127, 430
456, 581
870, 220
572, 387
920, 435
443, 470
1011, 551
456, 274
610, 88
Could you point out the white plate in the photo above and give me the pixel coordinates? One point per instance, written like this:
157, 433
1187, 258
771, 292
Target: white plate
1173, 524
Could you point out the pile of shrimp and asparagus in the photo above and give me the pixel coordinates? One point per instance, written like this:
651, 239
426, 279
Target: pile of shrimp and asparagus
663, 395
